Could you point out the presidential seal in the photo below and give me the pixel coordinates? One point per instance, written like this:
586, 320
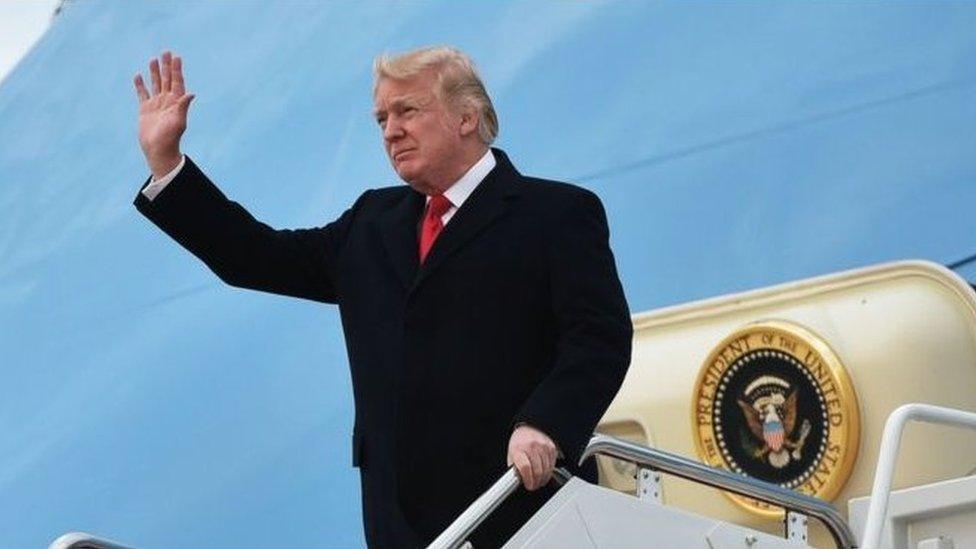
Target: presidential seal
774, 402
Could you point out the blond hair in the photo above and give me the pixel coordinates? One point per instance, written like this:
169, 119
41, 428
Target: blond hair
458, 83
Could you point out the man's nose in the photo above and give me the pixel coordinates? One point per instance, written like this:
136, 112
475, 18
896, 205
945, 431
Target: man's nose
392, 129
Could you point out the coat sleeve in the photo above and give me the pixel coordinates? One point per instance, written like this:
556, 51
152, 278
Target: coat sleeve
241, 250
593, 330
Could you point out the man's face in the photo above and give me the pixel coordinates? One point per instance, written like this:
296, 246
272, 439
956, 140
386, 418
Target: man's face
421, 135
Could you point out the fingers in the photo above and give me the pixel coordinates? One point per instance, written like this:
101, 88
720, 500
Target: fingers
167, 74
538, 471
141, 89
154, 76
535, 469
523, 465
534, 455
548, 465
178, 87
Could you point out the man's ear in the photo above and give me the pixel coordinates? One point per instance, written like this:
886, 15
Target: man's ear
469, 122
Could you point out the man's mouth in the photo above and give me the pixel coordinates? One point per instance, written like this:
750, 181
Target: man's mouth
398, 155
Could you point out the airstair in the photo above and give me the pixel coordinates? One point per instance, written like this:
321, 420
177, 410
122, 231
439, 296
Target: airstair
582, 515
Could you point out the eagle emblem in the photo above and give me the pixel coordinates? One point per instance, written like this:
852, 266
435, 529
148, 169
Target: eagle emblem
770, 410
773, 402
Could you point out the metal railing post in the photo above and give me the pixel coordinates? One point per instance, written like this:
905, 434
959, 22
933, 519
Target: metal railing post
649, 485
888, 455
796, 527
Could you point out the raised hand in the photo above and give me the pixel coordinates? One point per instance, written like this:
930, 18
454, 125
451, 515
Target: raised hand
162, 114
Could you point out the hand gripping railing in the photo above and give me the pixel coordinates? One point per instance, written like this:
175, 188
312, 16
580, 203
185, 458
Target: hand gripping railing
679, 466
81, 540
878, 507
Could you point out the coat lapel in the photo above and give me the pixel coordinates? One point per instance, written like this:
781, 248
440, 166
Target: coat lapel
489, 201
398, 229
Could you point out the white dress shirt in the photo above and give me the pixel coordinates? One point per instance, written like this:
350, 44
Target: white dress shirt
456, 194
156, 186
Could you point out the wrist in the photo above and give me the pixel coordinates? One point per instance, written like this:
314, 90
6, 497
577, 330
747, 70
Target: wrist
162, 164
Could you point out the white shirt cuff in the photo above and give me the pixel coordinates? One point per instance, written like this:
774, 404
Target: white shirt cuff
156, 186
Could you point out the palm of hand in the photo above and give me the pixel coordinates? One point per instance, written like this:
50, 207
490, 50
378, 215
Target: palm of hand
161, 121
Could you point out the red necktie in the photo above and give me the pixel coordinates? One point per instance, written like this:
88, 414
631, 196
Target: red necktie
432, 225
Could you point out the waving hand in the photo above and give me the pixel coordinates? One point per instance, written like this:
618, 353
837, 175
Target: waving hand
162, 113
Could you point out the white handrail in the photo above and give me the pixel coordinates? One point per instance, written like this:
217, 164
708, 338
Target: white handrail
894, 426
461, 528
723, 479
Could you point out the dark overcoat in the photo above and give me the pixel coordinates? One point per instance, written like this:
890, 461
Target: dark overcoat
517, 315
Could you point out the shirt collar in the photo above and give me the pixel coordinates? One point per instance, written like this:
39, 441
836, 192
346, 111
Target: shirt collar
462, 189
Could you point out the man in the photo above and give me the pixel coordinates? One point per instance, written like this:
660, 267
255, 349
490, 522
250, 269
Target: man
484, 319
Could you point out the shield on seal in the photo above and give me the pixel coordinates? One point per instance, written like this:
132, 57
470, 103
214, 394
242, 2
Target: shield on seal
773, 434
